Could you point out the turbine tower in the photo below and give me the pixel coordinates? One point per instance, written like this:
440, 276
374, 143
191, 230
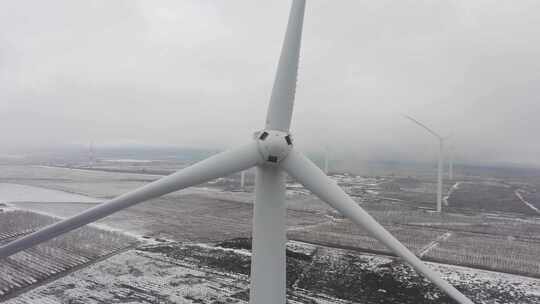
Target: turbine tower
439, 163
326, 160
273, 154
91, 155
450, 163
243, 179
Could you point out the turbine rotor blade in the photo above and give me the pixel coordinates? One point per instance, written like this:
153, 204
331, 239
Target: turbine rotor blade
216, 166
424, 127
308, 174
281, 104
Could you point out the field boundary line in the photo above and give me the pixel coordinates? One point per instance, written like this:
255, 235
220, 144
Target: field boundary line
62, 274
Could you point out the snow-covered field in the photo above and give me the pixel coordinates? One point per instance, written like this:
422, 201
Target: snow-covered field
55, 257
203, 273
12, 193
218, 211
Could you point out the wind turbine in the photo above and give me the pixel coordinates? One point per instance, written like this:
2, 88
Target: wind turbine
91, 155
440, 160
326, 160
451, 164
243, 179
272, 152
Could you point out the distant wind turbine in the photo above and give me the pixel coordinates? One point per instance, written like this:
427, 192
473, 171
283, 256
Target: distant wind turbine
91, 155
440, 160
243, 179
326, 160
450, 163
272, 152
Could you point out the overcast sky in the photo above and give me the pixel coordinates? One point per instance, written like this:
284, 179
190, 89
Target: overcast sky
199, 74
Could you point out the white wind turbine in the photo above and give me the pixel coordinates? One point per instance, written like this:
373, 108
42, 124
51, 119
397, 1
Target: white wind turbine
440, 160
243, 179
326, 160
272, 152
91, 155
451, 154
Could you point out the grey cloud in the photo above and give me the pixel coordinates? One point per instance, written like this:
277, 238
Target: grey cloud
199, 73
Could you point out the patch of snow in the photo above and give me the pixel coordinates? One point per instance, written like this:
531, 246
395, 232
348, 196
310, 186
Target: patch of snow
234, 250
372, 192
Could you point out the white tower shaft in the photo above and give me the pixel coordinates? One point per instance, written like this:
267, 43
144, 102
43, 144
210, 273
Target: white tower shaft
440, 176
326, 161
450, 167
268, 267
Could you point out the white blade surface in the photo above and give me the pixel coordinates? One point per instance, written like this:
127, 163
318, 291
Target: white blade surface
281, 104
424, 126
307, 173
216, 166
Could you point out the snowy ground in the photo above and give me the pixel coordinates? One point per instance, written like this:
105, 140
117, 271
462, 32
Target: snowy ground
220, 211
204, 273
13, 193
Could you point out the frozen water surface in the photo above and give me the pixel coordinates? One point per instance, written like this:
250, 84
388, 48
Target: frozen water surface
12, 193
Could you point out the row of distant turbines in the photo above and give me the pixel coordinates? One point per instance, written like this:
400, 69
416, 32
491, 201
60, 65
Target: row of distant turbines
441, 139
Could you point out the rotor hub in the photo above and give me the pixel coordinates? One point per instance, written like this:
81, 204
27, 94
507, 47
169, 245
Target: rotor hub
274, 145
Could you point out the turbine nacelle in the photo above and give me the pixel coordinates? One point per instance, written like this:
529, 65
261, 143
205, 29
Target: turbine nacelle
273, 145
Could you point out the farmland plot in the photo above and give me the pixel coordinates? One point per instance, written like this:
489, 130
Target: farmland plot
22, 193
52, 258
494, 253
346, 234
212, 215
496, 244
525, 228
521, 229
488, 197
